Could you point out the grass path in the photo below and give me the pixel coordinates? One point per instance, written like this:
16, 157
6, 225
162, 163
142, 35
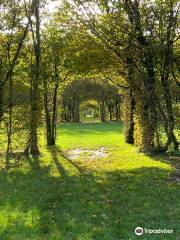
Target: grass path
55, 198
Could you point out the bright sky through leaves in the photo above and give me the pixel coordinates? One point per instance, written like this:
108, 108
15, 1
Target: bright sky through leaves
53, 5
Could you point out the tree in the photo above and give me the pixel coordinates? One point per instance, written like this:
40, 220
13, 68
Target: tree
32, 145
132, 30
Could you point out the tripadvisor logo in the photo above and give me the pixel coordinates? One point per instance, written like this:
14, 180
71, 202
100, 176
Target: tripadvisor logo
139, 231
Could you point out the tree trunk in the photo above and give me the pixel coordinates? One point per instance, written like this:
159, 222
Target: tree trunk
165, 73
117, 111
129, 129
1, 101
149, 84
110, 109
32, 146
51, 120
102, 108
34, 118
51, 116
9, 128
10, 71
54, 116
130, 104
170, 116
102, 111
149, 123
110, 115
47, 116
76, 113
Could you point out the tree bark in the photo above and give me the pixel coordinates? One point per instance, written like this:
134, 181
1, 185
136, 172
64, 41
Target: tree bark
47, 116
51, 117
170, 115
110, 107
32, 146
102, 108
9, 127
149, 108
130, 103
165, 74
54, 116
117, 111
129, 130
1, 101
76, 112
10, 71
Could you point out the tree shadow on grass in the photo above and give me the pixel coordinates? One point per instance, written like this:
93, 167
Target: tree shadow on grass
33, 162
73, 163
55, 158
109, 206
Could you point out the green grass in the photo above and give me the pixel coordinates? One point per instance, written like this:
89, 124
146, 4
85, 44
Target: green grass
90, 135
54, 198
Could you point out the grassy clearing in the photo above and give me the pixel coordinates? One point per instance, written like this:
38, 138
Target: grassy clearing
54, 198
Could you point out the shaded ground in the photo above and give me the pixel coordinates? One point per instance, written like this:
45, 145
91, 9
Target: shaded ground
54, 197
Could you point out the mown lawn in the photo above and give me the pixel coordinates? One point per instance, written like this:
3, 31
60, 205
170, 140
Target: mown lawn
55, 198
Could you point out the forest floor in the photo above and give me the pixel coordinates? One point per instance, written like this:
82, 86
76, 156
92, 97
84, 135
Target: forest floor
60, 197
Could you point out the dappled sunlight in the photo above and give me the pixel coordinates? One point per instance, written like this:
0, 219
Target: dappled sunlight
136, 161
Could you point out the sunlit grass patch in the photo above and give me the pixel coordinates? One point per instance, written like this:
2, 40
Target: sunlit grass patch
54, 197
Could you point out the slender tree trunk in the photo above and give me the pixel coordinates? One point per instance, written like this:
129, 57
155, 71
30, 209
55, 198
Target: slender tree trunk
1, 92
51, 121
149, 84
102, 111
54, 116
9, 141
170, 115
1, 101
110, 115
48, 117
110, 109
117, 110
34, 118
76, 113
130, 104
129, 129
51, 116
32, 146
102, 108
